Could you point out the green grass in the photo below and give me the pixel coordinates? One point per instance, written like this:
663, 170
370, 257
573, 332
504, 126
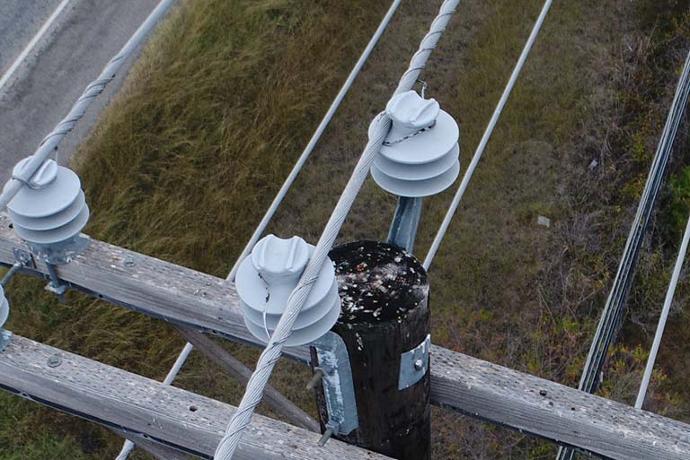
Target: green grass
188, 157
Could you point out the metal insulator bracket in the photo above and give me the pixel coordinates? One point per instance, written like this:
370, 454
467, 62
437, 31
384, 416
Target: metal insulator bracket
338, 387
414, 364
50, 212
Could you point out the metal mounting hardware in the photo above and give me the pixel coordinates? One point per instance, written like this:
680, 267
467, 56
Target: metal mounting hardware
414, 364
10, 274
338, 388
4, 308
50, 212
60, 253
56, 286
5, 337
24, 257
403, 230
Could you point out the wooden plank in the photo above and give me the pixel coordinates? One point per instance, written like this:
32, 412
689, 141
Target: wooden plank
458, 382
148, 410
242, 373
553, 411
150, 286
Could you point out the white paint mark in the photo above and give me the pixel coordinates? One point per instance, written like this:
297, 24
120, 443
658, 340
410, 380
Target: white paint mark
544, 221
32, 44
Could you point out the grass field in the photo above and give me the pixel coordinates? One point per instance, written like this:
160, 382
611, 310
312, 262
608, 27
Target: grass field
188, 157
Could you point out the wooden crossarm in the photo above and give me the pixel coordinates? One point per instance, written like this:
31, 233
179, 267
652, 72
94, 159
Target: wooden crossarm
146, 409
504, 396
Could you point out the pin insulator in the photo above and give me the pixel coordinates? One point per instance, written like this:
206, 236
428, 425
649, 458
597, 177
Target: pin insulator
4, 307
267, 277
50, 211
421, 155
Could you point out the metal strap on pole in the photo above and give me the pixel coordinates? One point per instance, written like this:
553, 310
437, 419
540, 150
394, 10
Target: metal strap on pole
51, 142
485, 138
271, 354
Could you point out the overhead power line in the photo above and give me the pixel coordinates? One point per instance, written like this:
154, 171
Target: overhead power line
273, 351
485, 138
280, 196
614, 309
663, 317
51, 142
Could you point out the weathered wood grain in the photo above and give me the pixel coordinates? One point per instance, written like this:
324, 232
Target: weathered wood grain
553, 411
146, 409
459, 382
151, 286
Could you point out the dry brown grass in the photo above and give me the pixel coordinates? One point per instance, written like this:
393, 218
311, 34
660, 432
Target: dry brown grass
185, 162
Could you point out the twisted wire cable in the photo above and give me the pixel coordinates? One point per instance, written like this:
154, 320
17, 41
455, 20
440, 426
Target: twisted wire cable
271, 354
441, 233
51, 142
289, 180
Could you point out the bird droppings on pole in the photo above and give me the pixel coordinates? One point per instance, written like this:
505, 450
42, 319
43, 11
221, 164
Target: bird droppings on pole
384, 293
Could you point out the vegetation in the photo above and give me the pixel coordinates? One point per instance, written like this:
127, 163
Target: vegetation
187, 158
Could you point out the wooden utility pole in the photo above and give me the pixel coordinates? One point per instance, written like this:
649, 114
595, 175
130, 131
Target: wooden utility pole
385, 326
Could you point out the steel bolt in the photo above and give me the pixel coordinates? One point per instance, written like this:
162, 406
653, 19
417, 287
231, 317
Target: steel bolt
129, 262
331, 428
318, 376
54, 361
419, 364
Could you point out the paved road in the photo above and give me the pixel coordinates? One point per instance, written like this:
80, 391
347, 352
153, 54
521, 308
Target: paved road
19, 21
81, 41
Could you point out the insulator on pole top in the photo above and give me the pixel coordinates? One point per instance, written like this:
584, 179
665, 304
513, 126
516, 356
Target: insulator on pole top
421, 155
4, 307
50, 212
267, 277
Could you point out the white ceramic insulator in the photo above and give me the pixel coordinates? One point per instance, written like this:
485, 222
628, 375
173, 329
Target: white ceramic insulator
52, 208
421, 155
267, 277
4, 307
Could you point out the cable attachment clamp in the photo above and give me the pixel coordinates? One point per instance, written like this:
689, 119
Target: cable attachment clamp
265, 280
50, 214
421, 155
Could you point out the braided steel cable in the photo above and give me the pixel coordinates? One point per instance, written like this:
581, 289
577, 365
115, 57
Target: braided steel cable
51, 142
441, 233
611, 317
280, 196
289, 180
271, 354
